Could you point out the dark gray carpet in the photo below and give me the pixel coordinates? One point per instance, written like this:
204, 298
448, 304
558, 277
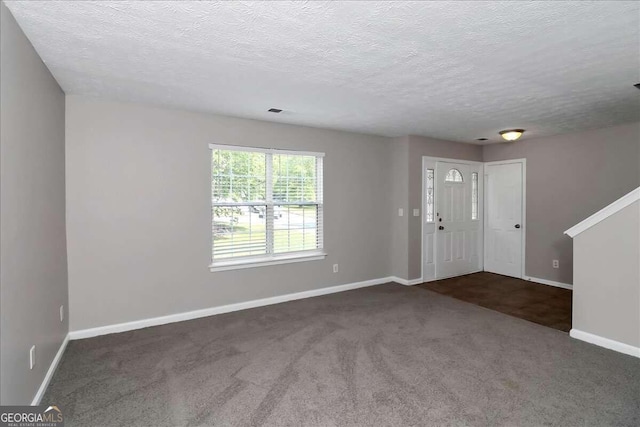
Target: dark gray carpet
387, 355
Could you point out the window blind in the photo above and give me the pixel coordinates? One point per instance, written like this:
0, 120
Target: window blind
265, 203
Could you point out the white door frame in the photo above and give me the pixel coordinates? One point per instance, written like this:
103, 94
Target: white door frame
523, 162
426, 159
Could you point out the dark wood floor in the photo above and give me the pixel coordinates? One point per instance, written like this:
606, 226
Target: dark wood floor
542, 304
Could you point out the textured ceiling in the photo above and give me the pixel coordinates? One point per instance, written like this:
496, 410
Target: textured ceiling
451, 70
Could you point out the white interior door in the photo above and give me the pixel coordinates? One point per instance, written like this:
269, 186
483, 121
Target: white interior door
458, 224
504, 225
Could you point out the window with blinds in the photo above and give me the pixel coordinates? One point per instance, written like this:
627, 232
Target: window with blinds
266, 205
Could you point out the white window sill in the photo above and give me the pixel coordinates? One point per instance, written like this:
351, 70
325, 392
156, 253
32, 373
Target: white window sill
237, 264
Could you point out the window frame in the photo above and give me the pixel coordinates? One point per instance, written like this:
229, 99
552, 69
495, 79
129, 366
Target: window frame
430, 196
273, 258
475, 196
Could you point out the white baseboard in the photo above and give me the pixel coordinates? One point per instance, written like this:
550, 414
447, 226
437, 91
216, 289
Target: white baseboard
405, 281
548, 282
605, 342
179, 317
52, 369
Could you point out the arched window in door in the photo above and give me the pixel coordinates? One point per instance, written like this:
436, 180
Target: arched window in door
453, 175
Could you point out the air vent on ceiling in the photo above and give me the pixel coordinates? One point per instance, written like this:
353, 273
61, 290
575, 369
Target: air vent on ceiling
275, 110
482, 139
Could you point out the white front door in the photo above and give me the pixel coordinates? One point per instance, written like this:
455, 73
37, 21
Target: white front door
504, 226
458, 224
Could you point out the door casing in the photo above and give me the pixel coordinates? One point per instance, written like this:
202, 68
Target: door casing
430, 162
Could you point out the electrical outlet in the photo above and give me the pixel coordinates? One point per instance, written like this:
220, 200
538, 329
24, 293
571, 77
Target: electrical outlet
32, 357
335, 268
400, 212
62, 313
416, 212
556, 263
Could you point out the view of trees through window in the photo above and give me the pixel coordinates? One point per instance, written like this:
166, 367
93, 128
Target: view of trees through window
264, 203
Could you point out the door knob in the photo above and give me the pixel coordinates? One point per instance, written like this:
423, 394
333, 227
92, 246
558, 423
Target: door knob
441, 228
517, 225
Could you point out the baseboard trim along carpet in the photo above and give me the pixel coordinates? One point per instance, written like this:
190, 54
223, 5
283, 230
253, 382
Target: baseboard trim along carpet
549, 282
405, 281
179, 317
605, 342
52, 369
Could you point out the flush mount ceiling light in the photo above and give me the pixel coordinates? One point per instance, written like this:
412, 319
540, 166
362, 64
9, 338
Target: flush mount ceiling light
637, 85
511, 134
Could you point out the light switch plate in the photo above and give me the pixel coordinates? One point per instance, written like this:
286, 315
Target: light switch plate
416, 212
400, 212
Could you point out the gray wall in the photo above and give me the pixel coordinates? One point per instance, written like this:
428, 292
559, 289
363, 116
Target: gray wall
606, 295
139, 215
569, 177
400, 200
33, 273
138, 222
